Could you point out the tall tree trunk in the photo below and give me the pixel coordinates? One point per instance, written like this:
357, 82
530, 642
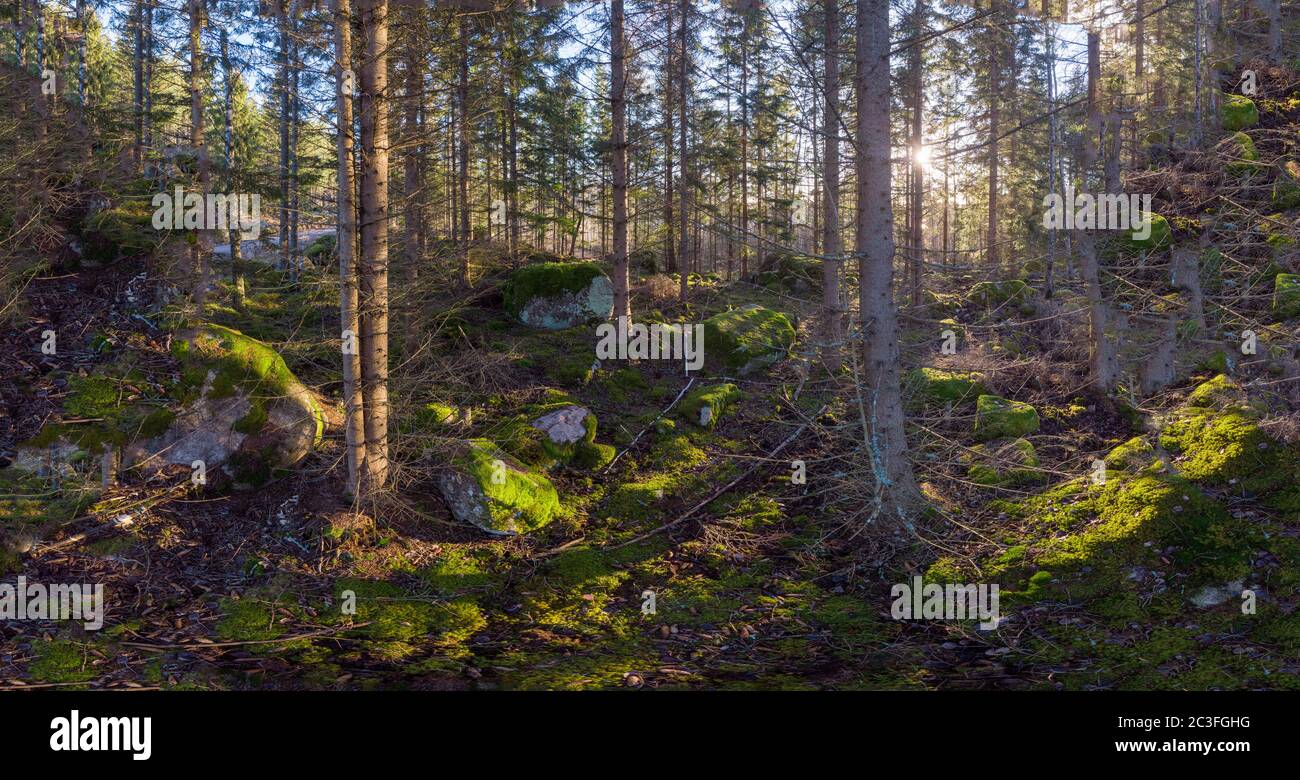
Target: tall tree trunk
295, 114
683, 90
353, 408
618, 108
462, 100
228, 113
414, 88
137, 101
995, 66
874, 239
670, 247
374, 237
744, 144
916, 236
832, 312
282, 77
200, 249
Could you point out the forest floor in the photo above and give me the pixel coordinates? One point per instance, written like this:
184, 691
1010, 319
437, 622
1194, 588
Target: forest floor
758, 580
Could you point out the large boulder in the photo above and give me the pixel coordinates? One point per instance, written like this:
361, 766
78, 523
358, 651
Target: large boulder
249, 414
555, 296
487, 488
747, 338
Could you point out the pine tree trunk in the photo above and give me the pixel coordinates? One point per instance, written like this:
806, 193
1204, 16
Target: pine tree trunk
374, 238
875, 247
618, 107
199, 250
462, 100
353, 408
832, 313
684, 188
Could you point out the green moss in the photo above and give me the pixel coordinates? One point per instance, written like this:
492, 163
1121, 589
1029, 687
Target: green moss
1130, 455
1227, 446
747, 338
1286, 296
249, 619
323, 250
126, 230
851, 623
995, 294
254, 421
155, 423
1238, 112
1216, 392
1286, 189
91, 397
941, 386
455, 571
1006, 464
1160, 236
547, 280
706, 405
59, 661
1245, 156
395, 620
518, 497
997, 418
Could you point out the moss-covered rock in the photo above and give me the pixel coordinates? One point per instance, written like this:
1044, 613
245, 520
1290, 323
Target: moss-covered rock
1132, 455
1238, 112
942, 386
1006, 463
997, 418
323, 250
250, 414
747, 338
559, 295
791, 273
1245, 158
1159, 237
705, 406
486, 487
995, 294
568, 434
1286, 296
1286, 188
1218, 392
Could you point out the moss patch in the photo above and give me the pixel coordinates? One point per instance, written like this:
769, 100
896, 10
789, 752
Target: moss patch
747, 338
997, 418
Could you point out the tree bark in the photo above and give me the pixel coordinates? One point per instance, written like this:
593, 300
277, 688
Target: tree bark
832, 312
874, 242
684, 188
618, 108
353, 407
200, 249
374, 238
